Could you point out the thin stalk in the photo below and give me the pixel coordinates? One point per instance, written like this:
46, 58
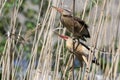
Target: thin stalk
73, 42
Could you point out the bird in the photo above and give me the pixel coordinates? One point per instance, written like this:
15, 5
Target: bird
81, 51
73, 24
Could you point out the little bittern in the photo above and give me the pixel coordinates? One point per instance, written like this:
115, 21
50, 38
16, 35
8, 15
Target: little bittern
73, 24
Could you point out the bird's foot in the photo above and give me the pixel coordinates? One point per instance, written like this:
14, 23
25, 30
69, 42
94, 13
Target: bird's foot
87, 70
70, 69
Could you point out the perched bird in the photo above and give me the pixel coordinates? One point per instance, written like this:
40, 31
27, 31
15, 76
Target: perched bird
73, 24
81, 51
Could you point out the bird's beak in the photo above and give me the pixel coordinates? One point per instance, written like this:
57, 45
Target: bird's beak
62, 36
58, 9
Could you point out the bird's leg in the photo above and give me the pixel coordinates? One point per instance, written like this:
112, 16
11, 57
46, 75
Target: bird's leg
85, 59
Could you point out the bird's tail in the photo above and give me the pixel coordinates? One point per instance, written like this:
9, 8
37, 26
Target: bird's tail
95, 61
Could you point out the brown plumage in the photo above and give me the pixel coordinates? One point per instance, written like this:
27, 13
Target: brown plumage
73, 24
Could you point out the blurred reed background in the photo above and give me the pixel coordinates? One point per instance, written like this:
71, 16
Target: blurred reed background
29, 50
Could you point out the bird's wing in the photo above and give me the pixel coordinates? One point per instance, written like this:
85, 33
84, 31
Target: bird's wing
81, 22
82, 27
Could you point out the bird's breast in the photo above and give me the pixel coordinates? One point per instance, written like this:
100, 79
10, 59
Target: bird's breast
78, 48
67, 22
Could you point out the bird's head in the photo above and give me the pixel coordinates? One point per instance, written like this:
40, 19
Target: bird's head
62, 36
63, 11
69, 41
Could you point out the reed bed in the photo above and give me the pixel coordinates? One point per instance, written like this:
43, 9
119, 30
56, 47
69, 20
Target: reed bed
39, 54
